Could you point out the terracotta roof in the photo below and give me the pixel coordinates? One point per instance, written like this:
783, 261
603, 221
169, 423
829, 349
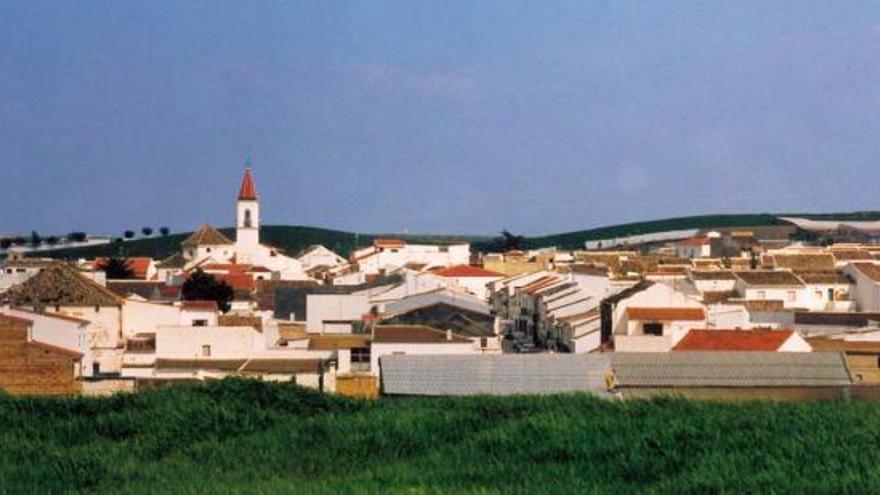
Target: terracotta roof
810, 261
718, 297
389, 243
666, 314
281, 366
870, 270
60, 285
852, 255
762, 305
712, 275
823, 277
206, 236
139, 266
733, 340
248, 189
291, 331
467, 271
200, 305
334, 342
233, 320
238, 281
769, 278
413, 334
201, 364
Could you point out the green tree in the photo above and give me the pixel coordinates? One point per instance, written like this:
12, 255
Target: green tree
508, 242
164, 231
77, 237
147, 231
36, 239
201, 286
53, 240
6, 243
117, 268
128, 234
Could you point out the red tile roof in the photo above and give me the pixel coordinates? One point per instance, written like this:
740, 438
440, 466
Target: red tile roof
139, 266
467, 271
248, 190
733, 340
666, 314
238, 281
389, 243
200, 305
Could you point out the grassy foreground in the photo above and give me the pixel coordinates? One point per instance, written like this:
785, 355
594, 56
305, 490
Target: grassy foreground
241, 436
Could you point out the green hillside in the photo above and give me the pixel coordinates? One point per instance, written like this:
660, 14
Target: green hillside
290, 239
575, 240
239, 436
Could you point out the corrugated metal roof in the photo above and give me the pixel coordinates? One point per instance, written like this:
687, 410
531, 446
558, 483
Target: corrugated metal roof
493, 374
730, 369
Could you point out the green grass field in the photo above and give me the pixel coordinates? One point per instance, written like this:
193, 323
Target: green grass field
247, 437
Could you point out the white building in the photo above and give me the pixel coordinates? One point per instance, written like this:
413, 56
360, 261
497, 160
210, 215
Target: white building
386, 255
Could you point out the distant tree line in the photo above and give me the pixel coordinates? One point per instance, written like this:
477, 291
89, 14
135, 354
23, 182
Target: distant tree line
37, 240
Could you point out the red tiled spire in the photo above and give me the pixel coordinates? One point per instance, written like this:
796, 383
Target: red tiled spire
248, 191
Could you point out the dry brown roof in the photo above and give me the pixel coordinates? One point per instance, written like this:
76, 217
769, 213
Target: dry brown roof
60, 285
665, 314
414, 334
807, 261
334, 342
712, 275
206, 236
870, 270
823, 277
281, 366
770, 278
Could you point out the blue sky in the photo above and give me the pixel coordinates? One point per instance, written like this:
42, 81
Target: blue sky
457, 117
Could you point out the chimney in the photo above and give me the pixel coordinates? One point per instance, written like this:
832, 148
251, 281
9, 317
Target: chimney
448, 334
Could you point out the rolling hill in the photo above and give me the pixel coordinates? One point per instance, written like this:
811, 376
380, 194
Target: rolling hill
292, 239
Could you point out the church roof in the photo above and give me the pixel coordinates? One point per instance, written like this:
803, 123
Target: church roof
206, 236
60, 285
248, 190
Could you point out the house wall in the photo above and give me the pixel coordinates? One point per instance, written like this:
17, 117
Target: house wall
145, 317
476, 285
866, 292
795, 343
432, 255
105, 323
28, 370
334, 307
185, 342
188, 316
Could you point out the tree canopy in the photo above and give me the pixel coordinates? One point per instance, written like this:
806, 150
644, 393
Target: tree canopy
201, 286
118, 268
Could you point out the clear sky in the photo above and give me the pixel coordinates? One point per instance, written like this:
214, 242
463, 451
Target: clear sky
456, 117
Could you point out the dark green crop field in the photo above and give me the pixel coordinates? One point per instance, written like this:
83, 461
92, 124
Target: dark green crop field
247, 437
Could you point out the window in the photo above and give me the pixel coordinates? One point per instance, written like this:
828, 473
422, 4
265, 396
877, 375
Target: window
247, 218
762, 294
96, 369
97, 309
360, 359
792, 296
200, 323
208, 249
206, 351
652, 329
444, 249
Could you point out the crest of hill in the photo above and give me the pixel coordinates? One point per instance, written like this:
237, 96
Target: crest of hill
291, 239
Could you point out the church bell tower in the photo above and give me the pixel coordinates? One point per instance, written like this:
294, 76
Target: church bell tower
247, 225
